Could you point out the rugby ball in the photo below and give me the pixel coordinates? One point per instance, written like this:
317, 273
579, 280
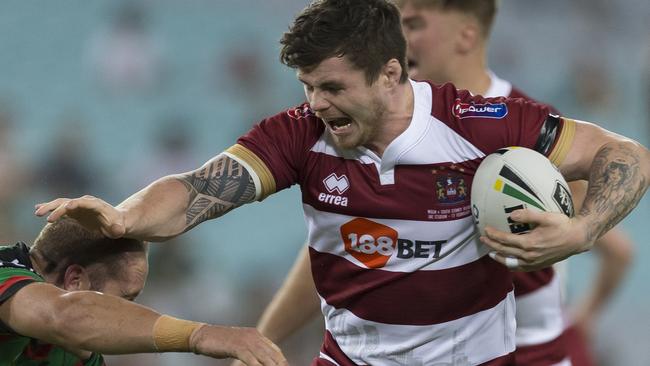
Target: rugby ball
514, 178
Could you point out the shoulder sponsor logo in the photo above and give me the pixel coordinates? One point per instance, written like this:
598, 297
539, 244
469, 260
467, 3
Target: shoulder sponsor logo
302, 111
373, 244
336, 186
485, 110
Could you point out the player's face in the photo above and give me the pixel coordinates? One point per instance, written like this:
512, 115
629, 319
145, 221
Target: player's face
431, 36
130, 282
339, 94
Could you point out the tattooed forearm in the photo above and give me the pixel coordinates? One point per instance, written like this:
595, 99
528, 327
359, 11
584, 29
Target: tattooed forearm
219, 186
616, 184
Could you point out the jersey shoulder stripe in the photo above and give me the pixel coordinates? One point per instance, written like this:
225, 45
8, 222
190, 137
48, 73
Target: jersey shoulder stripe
256, 167
563, 142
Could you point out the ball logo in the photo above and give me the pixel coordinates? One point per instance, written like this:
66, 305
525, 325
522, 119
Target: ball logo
562, 197
475, 213
369, 242
484, 110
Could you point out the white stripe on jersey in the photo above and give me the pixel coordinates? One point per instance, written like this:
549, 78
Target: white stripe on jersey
539, 315
470, 340
463, 247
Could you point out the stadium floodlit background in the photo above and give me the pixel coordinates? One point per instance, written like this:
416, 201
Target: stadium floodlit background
102, 97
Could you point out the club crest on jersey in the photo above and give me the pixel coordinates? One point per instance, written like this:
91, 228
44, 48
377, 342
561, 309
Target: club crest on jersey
302, 111
483, 110
336, 186
450, 188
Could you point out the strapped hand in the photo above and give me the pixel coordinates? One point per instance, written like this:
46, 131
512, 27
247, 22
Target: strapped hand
244, 344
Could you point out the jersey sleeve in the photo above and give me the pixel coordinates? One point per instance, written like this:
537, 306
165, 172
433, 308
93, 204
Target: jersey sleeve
494, 123
274, 150
95, 359
13, 279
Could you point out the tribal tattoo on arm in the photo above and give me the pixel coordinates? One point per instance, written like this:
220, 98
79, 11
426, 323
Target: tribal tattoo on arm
219, 186
616, 185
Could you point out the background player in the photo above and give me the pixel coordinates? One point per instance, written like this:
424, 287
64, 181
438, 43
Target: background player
56, 305
369, 107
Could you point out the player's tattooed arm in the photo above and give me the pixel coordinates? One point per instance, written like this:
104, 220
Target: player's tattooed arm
616, 184
216, 188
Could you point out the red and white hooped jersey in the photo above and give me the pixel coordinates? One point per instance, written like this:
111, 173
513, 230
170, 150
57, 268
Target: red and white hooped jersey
402, 277
538, 294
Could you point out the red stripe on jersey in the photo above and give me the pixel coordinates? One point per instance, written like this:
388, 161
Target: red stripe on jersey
507, 360
520, 127
527, 282
419, 185
410, 298
12, 281
544, 354
333, 350
321, 362
578, 347
37, 351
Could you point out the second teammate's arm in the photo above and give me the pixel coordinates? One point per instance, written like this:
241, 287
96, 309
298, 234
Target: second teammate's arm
295, 303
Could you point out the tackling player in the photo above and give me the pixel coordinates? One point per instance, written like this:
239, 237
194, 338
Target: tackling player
401, 275
57, 308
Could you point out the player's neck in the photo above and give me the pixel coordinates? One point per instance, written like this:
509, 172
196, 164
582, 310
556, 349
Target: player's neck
471, 73
396, 119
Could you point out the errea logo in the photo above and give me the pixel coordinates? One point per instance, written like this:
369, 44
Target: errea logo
338, 185
334, 183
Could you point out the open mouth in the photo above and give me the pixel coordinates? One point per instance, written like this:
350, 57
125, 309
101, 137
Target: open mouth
339, 124
412, 63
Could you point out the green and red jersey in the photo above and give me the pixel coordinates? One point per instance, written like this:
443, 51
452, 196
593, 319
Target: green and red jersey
16, 272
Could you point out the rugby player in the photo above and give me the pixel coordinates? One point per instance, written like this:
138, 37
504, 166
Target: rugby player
68, 299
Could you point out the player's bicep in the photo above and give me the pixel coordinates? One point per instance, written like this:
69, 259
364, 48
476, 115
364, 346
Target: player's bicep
32, 310
582, 149
219, 186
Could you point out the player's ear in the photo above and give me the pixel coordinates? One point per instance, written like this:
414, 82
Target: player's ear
76, 278
391, 73
468, 36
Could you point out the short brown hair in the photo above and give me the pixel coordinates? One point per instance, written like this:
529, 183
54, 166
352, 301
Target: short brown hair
368, 32
65, 242
483, 10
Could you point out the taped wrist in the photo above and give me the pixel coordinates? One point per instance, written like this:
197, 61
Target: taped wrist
173, 335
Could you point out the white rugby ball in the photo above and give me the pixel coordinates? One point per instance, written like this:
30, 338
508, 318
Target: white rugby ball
513, 178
